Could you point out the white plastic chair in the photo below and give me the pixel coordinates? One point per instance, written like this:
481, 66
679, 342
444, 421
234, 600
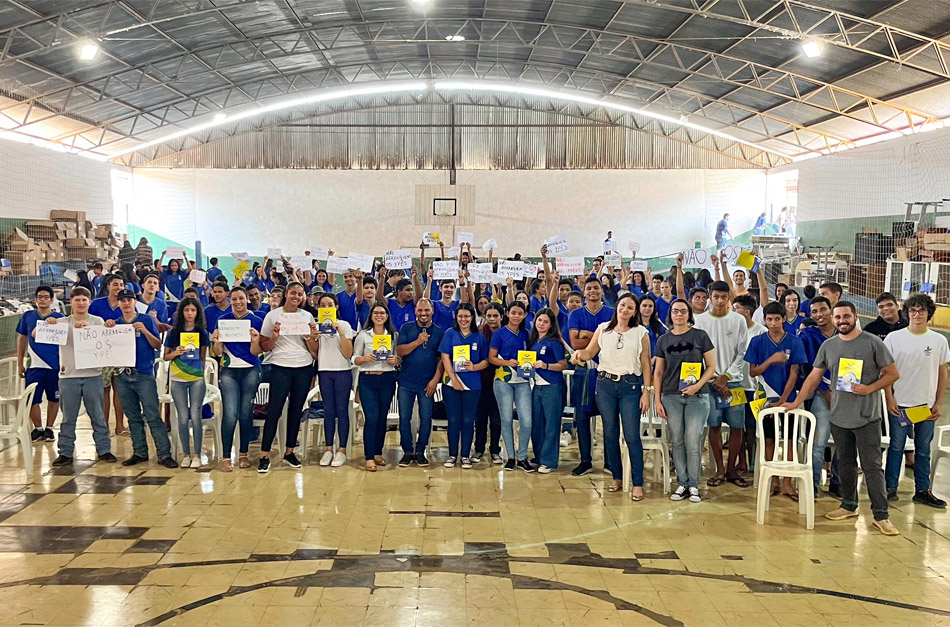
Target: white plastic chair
18, 426
941, 449
213, 398
262, 398
11, 385
788, 442
307, 426
658, 445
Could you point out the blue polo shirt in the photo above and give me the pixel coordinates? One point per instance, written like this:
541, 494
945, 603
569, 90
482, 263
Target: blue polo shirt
793, 327
347, 308
478, 349
663, 309
563, 317
761, 347
44, 356
212, 314
444, 315
238, 354
159, 307
144, 353
400, 315
508, 343
262, 310
812, 338
175, 282
538, 303
96, 285
550, 352
584, 320
265, 285
213, 273
419, 366
100, 307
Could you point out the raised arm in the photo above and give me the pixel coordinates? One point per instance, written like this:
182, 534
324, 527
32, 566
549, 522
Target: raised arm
763, 287
416, 285
680, 287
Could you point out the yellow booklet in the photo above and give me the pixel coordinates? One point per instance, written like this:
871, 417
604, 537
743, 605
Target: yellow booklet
690, 372
190, 341
461, 354
382, 347
738, 397
849, 373
917, 414
326, 316
758, 405
527, 357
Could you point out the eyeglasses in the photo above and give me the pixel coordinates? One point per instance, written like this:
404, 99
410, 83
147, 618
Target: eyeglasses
620, 340
917, 312
43, 297
681, 312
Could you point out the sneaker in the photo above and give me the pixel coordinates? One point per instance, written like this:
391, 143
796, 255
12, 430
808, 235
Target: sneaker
841, 514
62, 460
36, 435
291, 460
108, 457
892, 496
406, 460
196, 462
168, 462
886, 527
466, 463
327, 458
525, 465
339, 458
680, 493
184, 463
48, 435
263, 465
422, 460
544, 470
566, 438
477, 457
135, 459
496, 459
450, 462
926, 497
582, 469
510, 464
834, 489
694, 495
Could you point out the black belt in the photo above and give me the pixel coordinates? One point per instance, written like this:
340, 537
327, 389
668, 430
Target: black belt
617, 378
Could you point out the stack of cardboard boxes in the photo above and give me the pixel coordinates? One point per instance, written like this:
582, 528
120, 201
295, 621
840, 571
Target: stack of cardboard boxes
933, 244
66, 236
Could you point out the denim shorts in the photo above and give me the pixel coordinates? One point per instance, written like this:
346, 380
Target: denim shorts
732, 416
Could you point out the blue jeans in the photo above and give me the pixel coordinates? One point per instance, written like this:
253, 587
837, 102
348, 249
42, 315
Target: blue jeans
407, 398
686, 420
822, 433
510, 396
582, 393
376, 395
238, 389
620, 401
923, 434
88, 391
138, 394
548, 407
335, 388
460, 410
189, 396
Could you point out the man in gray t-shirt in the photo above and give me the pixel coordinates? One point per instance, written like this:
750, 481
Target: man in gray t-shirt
860, 367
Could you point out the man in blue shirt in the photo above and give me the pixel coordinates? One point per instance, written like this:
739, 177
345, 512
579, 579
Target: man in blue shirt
107, 307
254, 304
402, 309
42, 365
350, 298
421, 371
581, 326
154, 305
220, 306
368, 289
137, 388
722, 232
214, 271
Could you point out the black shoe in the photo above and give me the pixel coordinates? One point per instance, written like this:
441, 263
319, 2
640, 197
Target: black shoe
135, 459
168, 462
926, 497
582, 469
291, 460
421, 459
62, 460
834, 489
263, 465
407, 459
48, 435
892, 496
525, 465
108, 457
510, 464
36, 435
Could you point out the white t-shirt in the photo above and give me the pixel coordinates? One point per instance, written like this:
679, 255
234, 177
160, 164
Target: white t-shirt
748, 383
729, 335
67, 352
623, 360
290, 351
918, 359
329, 357
758, 317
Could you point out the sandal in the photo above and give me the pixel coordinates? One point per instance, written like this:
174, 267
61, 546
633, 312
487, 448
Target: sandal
244, 462
125, 433
738, 482
792, 496
715, 482
226, 466
370, 465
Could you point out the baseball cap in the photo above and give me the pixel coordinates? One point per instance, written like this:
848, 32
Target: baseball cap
125, 294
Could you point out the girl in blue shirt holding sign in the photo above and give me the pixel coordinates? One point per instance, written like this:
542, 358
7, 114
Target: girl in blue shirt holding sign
461, 384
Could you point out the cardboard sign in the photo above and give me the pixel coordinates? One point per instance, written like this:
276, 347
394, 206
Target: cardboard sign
557, 245
294, 323
397, 259
444, 270
320, 253
174, 252
513, 269
570, 266
490, 245
613, 259
696, 258
198, 276
361, 261
98, 346
235, 330
639, 266
480, 272
431, 239
463, 237
52, 333
273, 253
337, 265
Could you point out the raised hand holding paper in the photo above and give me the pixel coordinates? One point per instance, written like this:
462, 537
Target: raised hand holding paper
273, 253
397, 259
234, 330
361, 261
198, 276
445, 270
695, 258
453, 253
320, 253
240, 269
464, 237
337, 265
52, 334
640, 266
531, 270
570, 266
480, 272
431, 239
513, 269
557, 245
240, 256
174, 252
99, 346
490, 245
633, 246
613, 259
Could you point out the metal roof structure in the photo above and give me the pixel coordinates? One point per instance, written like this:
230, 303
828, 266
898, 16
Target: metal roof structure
689, 83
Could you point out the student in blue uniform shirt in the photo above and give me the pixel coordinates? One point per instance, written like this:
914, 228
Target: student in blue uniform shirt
214, 271
793, 319
651, 320
547, 397
511, 391
254, 301
402, 308
96, 279
154, 305
664, 300
368, 287
444, 310
539, 299
324, 280
220, 306
107, 306
421, 371
39, 363
174, 276
350, 298
462, 383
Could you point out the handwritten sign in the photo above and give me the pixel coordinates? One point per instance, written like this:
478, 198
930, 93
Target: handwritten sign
431, 239
397, 259
174, 252
98, 346
301, 262
444, 270
320, 253
273, 253
52, 334
240, 256
638, 266
361, 261
480, 272
510, 269
337, 265
453, 253
531, 270
236, 330
294, 323
695, 258
731, 252
557, 244
491, 244
570, 266
613, 259
634, 246
198, 276
464, 237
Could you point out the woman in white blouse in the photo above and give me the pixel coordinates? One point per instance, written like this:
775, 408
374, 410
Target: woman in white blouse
377, 384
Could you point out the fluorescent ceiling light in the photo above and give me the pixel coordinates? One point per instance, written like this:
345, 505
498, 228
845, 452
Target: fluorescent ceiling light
220, 117
455, 37
88, 51
420, 2
812, 48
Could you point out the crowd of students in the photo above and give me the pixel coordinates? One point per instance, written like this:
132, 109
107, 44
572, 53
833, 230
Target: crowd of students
697, 350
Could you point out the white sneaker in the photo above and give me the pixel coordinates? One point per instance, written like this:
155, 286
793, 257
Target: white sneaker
339, 458
680, 494
694, 496
566, 438
544, 470
185, 462
196, 461
326, 459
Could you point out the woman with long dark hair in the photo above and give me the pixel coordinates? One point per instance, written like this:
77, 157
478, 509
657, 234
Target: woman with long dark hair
624, 348
186, 374
377, 382
793, 318
336, 381
487, 418
464, 351
651, 320
512, 391
548, 395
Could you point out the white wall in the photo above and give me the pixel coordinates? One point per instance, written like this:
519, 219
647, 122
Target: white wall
371, 211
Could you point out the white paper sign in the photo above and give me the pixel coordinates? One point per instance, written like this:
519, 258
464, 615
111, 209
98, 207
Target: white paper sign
294, 323
570, 266
397, 259
557, 244
337, 265
613, 259
695, 258
431, 239
273, 253
240, 256
633, 246
198, 276
301, 262
141, 307
490, 245
361, 261
480, 272
513, 269
731, 252
638, 266
463, 237
444, 270
531, 270
320, 253
174, 252
236, 330
454, 253
96, 347
52, 333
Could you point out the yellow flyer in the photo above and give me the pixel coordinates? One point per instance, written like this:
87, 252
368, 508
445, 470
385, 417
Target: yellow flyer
190, 340
462, 352
240, 269
738, 397
328, 314
527, 357
758, 405
849, 373
918, 413
690, 372
382, 347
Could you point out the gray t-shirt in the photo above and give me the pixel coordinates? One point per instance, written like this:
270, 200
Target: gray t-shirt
67, 352
848, 410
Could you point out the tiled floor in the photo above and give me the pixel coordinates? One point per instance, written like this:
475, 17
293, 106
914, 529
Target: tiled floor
105, 545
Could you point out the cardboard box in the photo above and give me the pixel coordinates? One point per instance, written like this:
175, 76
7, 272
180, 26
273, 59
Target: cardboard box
80, 242
787, 279
936, 238
67, 216
869, 229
